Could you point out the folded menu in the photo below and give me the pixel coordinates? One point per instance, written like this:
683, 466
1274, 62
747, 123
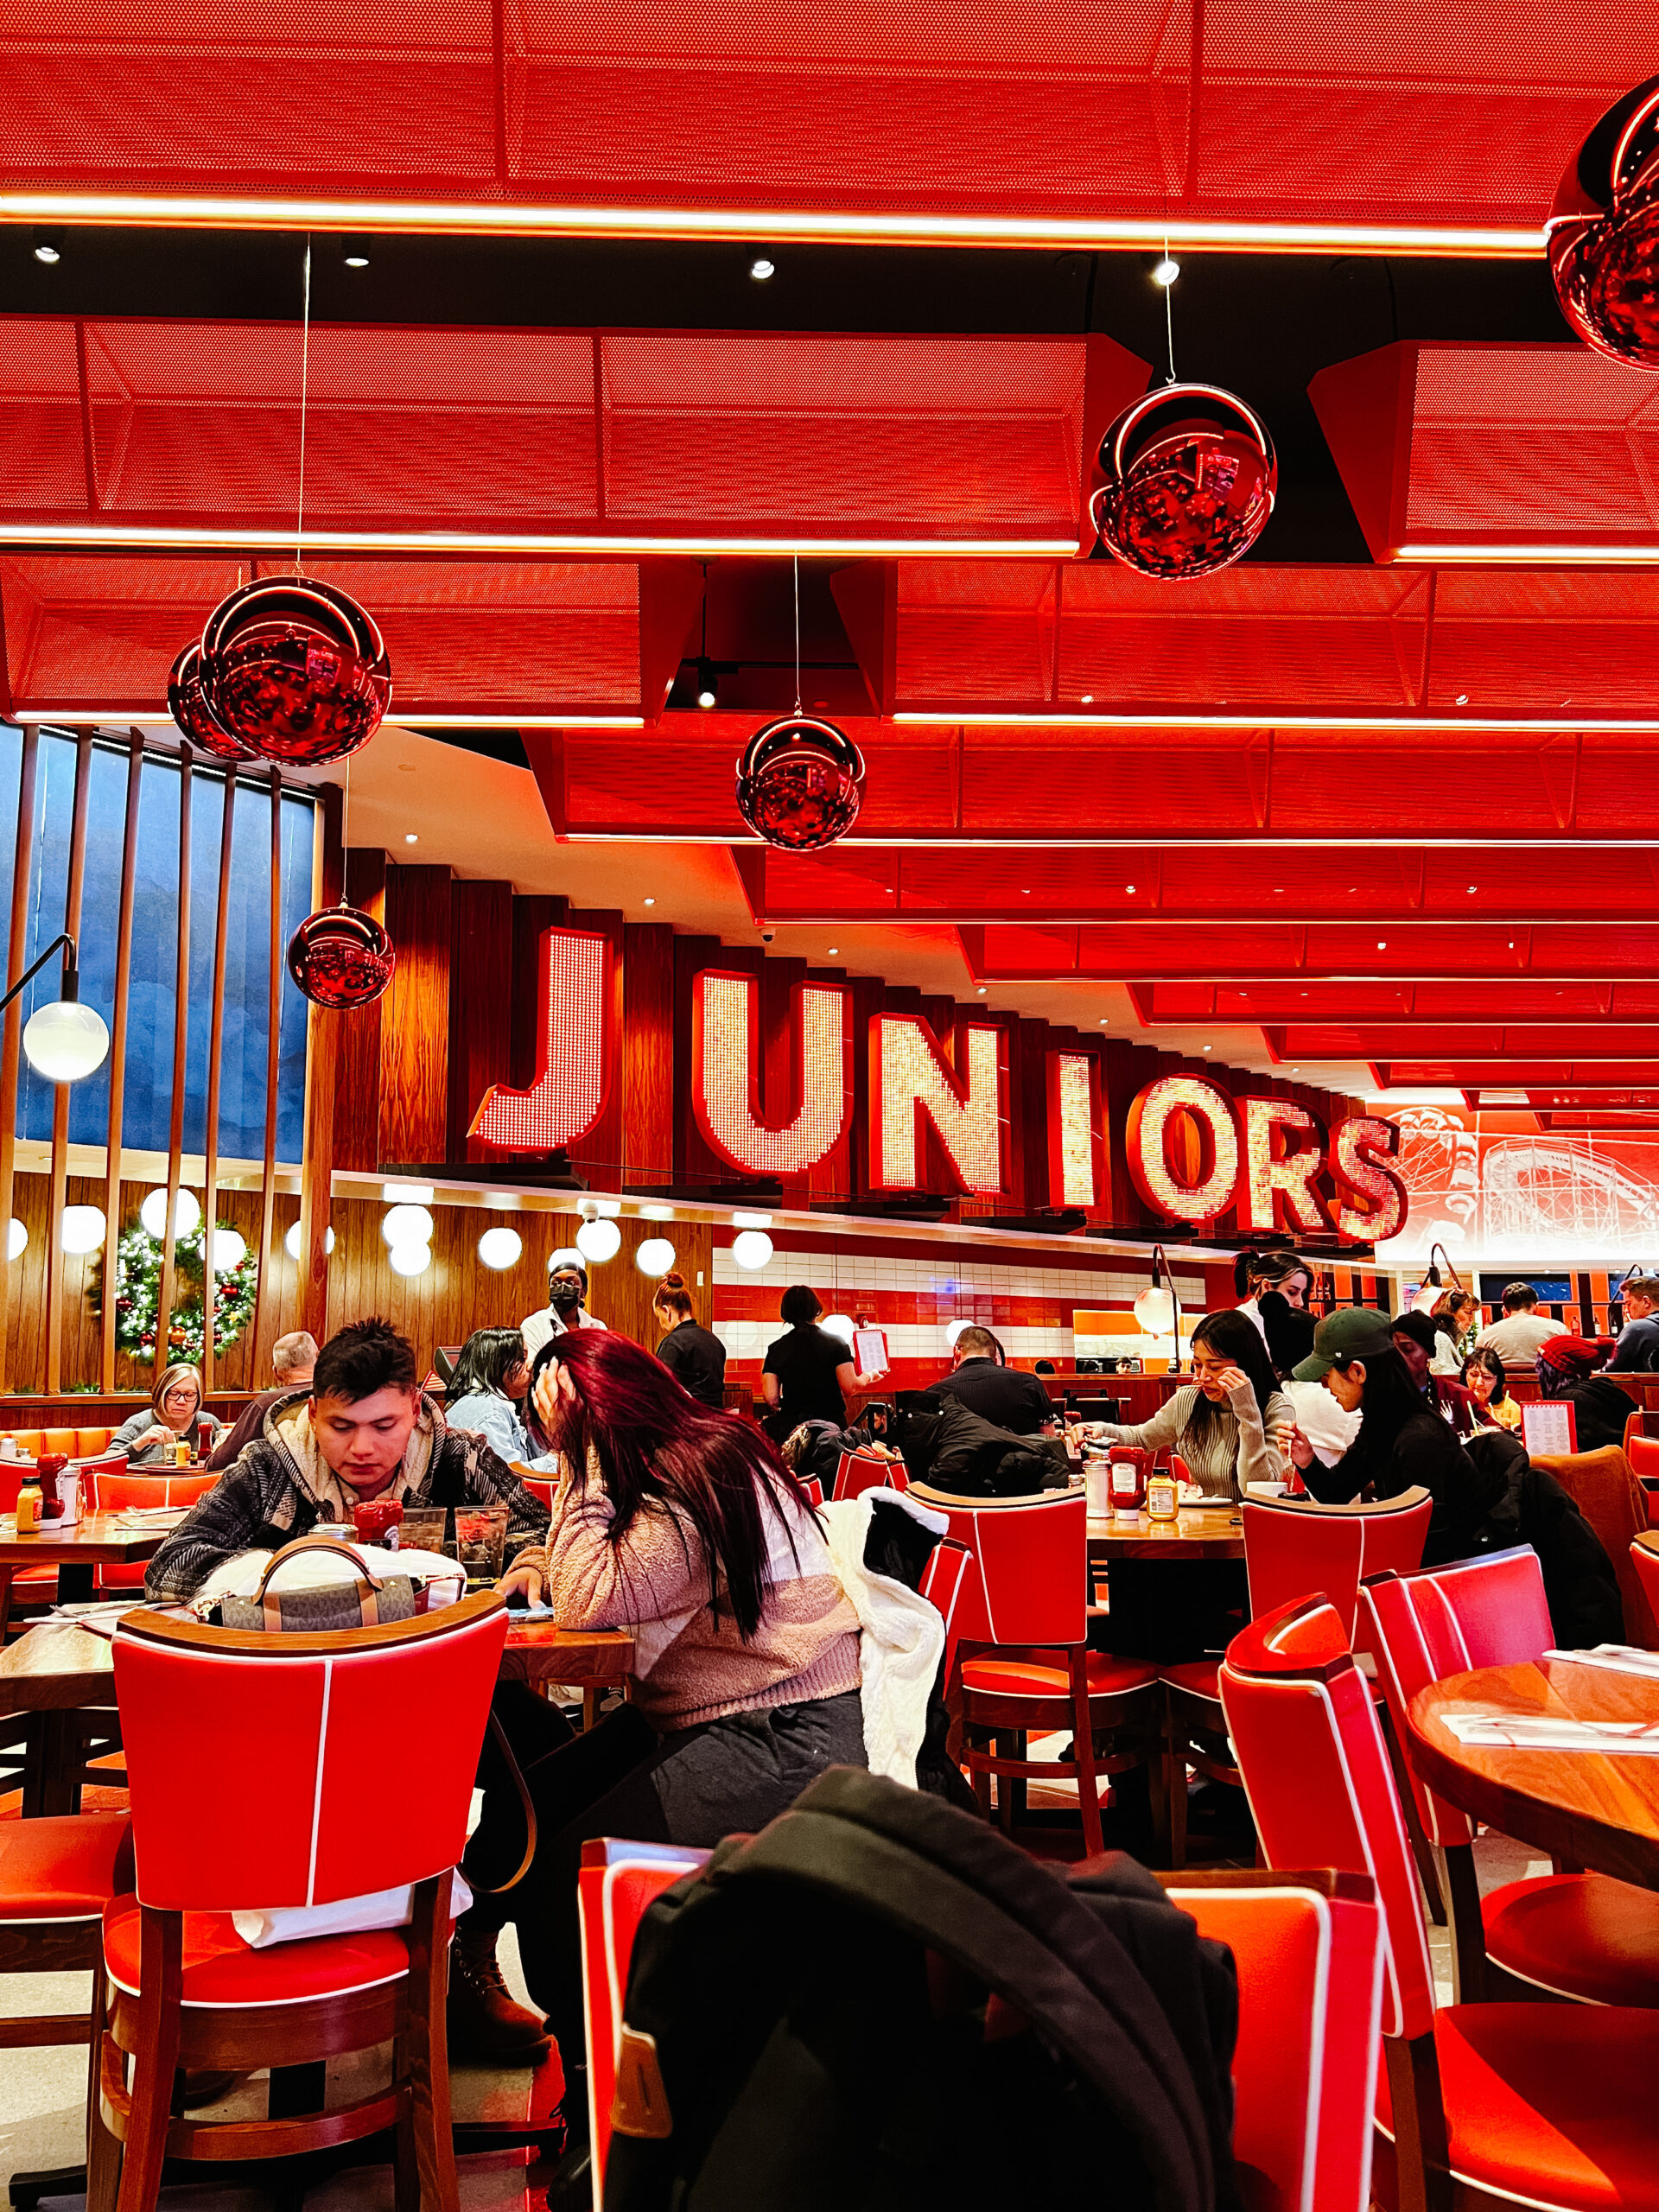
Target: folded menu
1543, 1731
1616, 1658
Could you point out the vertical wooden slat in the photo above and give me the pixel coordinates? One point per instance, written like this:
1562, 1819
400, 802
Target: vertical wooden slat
215, 1045
323, 1042
118, 1055
11, 1044
357, 1084
264, 1298
415, 1018
71, 901
180, 1046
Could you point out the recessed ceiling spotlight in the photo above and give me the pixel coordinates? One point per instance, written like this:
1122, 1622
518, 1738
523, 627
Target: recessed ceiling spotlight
1381, 944
708, 685
1129, 888
762, 268
411, 836
831, 952
354, 252
980, 993
1166, 271
1104, 1019
1088, 699
1463, 699
1209, 1048
48, 245
647, 902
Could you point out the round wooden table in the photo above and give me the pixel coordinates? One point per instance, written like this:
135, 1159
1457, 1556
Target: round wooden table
1197, 1532
1584, 1808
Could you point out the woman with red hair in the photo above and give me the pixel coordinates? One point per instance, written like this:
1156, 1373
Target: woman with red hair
683, 1526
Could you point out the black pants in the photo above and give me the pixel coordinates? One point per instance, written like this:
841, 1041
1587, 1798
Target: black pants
694, 1787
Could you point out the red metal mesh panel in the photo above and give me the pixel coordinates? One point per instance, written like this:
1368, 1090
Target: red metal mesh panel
1109, 949
908, 437
1033, 880
1433, 114
1524, 884
1408, 783
1097, 782
100, 633
1473, 1075
1332, 1042
1628, 948
1293, 883
1414, 948
848, 880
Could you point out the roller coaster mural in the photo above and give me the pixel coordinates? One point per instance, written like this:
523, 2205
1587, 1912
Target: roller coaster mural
1491, 1185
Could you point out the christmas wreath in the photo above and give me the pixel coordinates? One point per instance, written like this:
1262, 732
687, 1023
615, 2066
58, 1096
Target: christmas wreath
139, 1289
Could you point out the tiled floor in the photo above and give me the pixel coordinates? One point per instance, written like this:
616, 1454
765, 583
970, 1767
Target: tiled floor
43, 2099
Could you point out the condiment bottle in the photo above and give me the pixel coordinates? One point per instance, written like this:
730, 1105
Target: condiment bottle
29, 1505
1160, 1498
48, 1471
1128, 1477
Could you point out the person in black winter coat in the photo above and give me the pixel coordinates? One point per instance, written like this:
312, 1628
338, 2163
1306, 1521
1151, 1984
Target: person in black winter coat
1519, 1504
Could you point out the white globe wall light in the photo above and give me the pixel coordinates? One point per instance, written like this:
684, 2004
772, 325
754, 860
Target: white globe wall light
83, 1230
291, 1242
655, 1257
410, 1259
64, 1040
598, 1241
187, 1214
406, 1225
753, 1250
501, 1247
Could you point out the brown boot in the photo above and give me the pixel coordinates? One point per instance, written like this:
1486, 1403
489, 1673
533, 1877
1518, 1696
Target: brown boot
486, 2027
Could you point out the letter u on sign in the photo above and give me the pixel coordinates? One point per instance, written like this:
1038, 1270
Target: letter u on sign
574, 1004
726, 1074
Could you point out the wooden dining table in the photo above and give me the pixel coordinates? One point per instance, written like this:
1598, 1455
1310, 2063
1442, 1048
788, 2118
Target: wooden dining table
97, 1540
55, 1672
1197, 1532
1587, 1808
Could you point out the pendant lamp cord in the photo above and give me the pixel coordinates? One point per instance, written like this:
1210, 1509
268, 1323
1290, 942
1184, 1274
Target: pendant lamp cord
305, 393
1169, 316
798, 637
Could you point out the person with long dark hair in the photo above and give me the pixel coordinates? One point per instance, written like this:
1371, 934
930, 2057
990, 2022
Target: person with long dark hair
1487, 1381
683, 1526
1402, 1443
487, 1392
1275, 1286
1225, 1423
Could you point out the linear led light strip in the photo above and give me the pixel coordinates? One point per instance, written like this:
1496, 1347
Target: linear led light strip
193, 537
55, 714
1536, 556
218, 212
1267, 718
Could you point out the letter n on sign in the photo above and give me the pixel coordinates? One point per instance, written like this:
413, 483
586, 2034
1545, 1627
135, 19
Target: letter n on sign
573, 1075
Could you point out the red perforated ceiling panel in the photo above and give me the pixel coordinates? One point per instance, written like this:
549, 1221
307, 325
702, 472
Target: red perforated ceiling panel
1448, 114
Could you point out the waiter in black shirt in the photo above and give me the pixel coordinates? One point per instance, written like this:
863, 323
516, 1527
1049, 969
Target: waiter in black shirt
1002, 1396
694, 1356
807, 1371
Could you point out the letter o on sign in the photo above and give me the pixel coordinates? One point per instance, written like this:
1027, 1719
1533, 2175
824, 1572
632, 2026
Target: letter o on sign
1183, 1147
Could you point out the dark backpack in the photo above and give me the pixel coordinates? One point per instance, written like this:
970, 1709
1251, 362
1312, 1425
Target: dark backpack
879, 2004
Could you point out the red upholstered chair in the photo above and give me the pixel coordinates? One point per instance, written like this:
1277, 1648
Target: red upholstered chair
1308, 1948
1548, 2104
615, 1888
1582, 1937
1644, 1558
1642, 1449
861, 1470
1293, 1545
942, 1579
290, 1770
108, 1488
1019, 1659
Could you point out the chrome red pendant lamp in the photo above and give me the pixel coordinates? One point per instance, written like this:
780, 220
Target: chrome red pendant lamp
1188, 478
1604, 232
799, 783
341, 958
288, 669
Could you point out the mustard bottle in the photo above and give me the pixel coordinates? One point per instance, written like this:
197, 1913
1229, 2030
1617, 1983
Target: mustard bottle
28, 1506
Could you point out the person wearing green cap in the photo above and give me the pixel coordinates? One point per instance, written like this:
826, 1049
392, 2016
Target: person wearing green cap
1402, 1443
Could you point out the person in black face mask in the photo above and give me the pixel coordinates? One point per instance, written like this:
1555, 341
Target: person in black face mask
566, 1307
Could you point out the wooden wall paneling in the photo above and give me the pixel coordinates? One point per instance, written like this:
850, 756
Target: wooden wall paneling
72, 904
264, 1296
598, 1156
356, 1081
215, 1047
324, 1037
647, 1048
620, 1296
832, 1179
694, 1163
11, 1038
415, 1025
480, 1008
111, 1199
180, 1048
531, 916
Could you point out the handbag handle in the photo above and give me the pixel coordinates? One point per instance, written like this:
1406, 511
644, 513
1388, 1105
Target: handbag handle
315, 1544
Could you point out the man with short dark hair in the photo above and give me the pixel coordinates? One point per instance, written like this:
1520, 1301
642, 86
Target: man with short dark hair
1522, 1329
1002, 1396
1637, 1349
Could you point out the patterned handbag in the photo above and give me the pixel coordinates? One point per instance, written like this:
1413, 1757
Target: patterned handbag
367, 1601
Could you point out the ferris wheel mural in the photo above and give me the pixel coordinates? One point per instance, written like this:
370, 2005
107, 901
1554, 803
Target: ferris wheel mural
1523, 1195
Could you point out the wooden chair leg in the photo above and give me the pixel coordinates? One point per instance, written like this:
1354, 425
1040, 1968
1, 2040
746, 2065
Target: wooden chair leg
405, 2159
103, 2149
425, 2051
154, 2061
1084, 1751
1174, 1752
1469, 1977
1427, 1874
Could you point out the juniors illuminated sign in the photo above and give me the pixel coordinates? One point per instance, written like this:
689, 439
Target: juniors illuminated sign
940, 1109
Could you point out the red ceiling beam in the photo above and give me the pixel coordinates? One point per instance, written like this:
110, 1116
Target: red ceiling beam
1154, 950
1418, 1069
1467, 1042
1482, 1000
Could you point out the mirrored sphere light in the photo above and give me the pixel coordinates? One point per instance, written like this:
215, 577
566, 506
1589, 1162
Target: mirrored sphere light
753, 1249
410, 1259
1190, 477
16, 1239
230, 1249
655, 1257
291, 1242
83, 1229
501, 1247
187, 1214
66, 1040
406, 1225
598, 1241
838, 1324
